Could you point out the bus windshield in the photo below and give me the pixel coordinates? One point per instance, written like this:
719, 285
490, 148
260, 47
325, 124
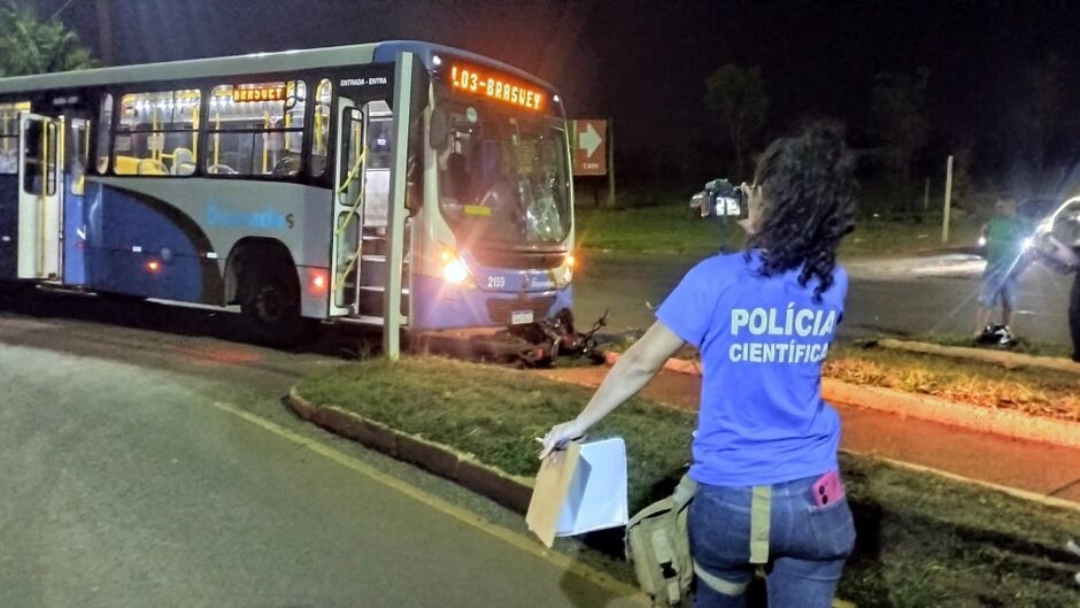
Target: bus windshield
503, 178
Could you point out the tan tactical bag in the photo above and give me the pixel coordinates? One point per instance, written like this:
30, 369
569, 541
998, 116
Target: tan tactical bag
658, 544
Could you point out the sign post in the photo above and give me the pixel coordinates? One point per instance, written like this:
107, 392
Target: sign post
593, 152
611, 165
948, 201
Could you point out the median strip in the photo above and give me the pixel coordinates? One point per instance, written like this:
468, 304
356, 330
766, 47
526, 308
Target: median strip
923, 539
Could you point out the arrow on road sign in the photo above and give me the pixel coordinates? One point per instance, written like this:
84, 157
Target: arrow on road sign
590, 140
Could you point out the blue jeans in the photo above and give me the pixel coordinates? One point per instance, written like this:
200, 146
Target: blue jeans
999, 284
808, 545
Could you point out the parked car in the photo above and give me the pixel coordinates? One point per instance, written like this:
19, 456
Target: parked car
1063, 224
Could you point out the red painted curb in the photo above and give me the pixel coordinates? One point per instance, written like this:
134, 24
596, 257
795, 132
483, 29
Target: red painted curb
925, 407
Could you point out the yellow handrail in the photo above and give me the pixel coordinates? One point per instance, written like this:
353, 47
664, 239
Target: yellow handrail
354, 210
195, 133
153, 130
217, 137
352, 172
266, 142
360, 197
288, 123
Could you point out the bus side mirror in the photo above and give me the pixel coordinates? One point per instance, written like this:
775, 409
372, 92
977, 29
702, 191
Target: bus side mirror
440, 130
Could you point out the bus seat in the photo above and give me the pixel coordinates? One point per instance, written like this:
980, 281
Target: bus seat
126, 165
151, 166
220, 169
183, 162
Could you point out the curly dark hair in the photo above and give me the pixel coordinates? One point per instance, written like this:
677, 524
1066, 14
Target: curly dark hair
808, 191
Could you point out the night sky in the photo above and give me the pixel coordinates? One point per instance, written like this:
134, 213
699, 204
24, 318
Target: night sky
644, 63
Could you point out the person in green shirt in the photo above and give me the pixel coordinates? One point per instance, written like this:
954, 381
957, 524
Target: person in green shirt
1005, 234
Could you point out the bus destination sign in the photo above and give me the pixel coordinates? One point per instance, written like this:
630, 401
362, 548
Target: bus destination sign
272, 92
493, 85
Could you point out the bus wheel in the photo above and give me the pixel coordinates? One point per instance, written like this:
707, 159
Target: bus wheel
271, 304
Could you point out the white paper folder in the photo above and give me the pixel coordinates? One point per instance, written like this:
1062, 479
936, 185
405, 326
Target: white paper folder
580, 489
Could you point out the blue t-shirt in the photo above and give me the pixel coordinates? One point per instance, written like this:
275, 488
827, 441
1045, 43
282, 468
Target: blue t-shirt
762, 343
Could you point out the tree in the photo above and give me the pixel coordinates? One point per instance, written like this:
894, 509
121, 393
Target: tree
1040, 114
29, 45
898, 101
738, 97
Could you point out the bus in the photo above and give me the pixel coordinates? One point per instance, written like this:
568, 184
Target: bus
399, 185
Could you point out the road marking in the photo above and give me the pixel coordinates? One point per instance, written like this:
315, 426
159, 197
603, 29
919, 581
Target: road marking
528, 545
510, 537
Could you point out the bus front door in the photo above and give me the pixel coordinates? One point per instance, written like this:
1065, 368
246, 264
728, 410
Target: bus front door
41, 149
348, 207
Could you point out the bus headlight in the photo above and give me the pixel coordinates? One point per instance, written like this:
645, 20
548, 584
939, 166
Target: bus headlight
567, 274
454, 269
455, 272
564, 274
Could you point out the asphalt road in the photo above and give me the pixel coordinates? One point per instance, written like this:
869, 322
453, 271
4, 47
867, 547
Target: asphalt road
148, 462
906, 297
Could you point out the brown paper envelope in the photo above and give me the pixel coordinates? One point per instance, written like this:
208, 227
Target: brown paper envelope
550, 490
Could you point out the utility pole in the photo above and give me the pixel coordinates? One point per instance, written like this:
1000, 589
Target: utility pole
948, 202
395, 230
611, 163
105, 40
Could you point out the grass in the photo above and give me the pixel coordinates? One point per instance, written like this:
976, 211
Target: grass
923, 540
1039, 392
672, 228
1034, 391
668, 229
1022, 345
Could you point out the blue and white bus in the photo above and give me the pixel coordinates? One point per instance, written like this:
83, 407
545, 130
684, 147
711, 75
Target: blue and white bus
396, 184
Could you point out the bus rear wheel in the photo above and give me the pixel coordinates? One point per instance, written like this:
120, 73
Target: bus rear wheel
271, 305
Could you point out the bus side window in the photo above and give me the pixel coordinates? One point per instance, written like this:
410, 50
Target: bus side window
320, 149
104, 133
160, 133
9, 136
256, 129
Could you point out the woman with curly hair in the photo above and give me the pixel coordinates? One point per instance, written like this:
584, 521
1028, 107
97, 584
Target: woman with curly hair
764, 452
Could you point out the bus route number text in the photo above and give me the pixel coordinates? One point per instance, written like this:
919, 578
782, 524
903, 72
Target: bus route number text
495, 87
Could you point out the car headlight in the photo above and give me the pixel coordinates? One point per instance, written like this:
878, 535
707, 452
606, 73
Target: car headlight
982, 241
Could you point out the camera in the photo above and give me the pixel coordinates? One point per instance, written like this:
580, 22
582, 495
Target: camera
728, 200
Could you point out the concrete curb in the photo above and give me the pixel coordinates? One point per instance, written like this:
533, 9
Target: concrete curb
515, 492
935, 409
510, 491
1004, 358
